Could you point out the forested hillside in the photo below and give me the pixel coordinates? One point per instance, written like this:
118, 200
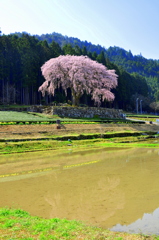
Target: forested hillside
149, 68
131, 63
22, 55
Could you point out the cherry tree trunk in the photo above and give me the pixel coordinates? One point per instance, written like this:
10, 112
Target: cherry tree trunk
75, 98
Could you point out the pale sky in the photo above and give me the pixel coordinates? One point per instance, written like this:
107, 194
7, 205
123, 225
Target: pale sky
129, 24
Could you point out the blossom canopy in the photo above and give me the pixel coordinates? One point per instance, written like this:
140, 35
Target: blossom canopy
81, 75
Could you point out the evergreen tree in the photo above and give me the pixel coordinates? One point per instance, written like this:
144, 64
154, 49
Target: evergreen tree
68, 50
55, 49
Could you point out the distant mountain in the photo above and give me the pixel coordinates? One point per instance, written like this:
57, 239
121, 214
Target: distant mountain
63, 40
131, 63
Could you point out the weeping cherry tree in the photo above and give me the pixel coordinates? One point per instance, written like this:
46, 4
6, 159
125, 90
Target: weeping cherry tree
81, 75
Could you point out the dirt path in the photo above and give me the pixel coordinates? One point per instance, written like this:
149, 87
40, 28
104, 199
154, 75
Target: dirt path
26, 131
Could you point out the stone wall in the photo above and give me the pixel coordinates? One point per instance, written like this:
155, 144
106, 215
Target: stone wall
79, 112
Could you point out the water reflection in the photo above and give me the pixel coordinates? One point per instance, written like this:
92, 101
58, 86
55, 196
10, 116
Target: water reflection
148, 224
106, 187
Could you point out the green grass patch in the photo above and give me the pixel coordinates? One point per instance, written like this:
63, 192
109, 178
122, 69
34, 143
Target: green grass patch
17, 224
118, 139
10, 116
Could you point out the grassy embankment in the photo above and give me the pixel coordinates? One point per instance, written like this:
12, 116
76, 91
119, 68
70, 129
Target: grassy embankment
143, 117
17, 224
25, 146
20, 144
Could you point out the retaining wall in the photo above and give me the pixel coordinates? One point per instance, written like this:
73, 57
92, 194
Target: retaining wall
79, 112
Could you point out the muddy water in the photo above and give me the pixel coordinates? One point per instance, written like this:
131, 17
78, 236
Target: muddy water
111, 188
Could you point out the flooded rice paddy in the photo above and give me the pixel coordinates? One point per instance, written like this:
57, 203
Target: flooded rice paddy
110, 187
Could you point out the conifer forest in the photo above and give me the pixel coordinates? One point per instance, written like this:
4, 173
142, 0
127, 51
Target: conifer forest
22, 56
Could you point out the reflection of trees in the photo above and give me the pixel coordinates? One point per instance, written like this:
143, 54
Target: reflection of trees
84, 199
119, 188
111, 191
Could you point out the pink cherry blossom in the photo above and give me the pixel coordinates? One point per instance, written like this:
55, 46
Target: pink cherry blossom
81, 75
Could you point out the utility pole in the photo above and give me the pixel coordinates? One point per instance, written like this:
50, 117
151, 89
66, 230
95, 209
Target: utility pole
137, 105
141, 106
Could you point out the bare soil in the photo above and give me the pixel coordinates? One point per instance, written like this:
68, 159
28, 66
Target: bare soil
27, 131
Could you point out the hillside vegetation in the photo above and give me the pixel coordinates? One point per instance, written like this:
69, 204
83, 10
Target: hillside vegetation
22, 55
149, 68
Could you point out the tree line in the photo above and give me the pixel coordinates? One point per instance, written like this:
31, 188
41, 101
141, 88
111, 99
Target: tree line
21, 58
149, 68
131, 63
